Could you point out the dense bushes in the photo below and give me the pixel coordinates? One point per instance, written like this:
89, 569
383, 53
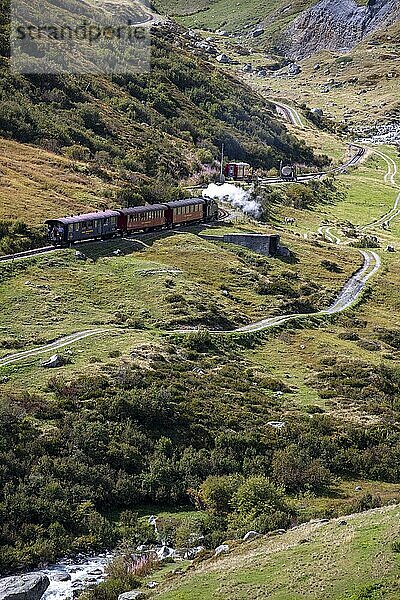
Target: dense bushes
164, 125
129, 437
16, 236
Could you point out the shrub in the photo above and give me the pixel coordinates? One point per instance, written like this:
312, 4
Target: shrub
216, 492
258, 504
77, 152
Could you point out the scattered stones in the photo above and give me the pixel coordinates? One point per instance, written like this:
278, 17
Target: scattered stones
383, 133
342, 523
54, 362
223, 59
358, 488
222, 549
247, 68
133, 595
80, 255
24, 587
61, 577
390, 249
277, 424
257, 32
251, 535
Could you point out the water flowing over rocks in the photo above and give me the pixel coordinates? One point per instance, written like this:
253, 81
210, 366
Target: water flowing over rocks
62, 581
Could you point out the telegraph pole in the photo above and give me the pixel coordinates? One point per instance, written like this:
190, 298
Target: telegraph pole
221, 175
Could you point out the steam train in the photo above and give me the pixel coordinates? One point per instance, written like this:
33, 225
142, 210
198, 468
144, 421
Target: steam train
110, 223
239, 171
288, 172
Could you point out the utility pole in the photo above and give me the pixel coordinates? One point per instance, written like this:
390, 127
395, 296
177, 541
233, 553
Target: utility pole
221, 175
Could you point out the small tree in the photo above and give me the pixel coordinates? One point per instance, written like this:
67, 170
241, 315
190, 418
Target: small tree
258, 504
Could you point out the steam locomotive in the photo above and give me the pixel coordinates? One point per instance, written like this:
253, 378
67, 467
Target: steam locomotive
110, 223
239, 171
288, 172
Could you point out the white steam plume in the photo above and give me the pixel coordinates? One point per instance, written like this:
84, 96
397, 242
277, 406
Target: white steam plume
236, 196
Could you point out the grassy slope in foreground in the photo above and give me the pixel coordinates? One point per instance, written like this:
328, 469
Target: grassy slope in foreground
331, 561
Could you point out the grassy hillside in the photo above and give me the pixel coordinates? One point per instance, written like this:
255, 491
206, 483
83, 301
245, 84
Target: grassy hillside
37, 184
176, 281
349, 88
355, 560
143, 134
240, 18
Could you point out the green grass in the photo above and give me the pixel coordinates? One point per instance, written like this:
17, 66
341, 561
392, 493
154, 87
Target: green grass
221, 14
39, 185
312, 562
177, 281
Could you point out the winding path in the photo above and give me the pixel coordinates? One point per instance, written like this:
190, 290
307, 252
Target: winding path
347, 297
292, 114
349, 294
60, 343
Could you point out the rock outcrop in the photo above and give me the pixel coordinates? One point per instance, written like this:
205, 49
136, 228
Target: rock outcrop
24, 587
337, 25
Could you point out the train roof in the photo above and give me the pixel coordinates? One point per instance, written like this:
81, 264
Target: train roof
141, 209
187, 202
94, 216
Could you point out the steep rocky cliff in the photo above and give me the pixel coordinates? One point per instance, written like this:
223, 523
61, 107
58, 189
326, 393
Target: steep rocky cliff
337, 25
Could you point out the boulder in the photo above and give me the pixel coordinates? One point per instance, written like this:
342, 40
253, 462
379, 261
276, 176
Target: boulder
54, 361
250, 535
222, 549
63, 576
80, 255
294, 69
95, 572
276, 532
257, 32
223, 59
164, 552
133, 595
24, 587
318, 112
152, 584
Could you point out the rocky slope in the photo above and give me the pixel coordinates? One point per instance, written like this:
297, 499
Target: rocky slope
333, 25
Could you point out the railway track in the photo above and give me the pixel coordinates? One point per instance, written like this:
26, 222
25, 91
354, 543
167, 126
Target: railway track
26, 254
352, 162
223, 214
